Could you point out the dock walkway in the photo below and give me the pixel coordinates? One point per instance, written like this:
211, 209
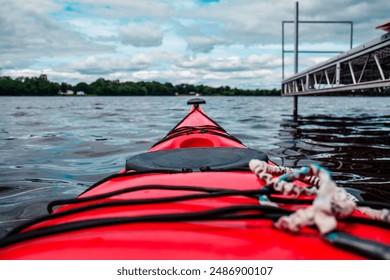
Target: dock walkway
366, 67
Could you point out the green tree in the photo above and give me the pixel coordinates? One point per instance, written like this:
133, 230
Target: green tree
82, 87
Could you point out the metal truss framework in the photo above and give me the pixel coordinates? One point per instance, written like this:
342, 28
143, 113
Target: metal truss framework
364, 67
350, 23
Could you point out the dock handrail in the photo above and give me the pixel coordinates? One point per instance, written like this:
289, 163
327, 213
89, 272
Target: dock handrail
364, 67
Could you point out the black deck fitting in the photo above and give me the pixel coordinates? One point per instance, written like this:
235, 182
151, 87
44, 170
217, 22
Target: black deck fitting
196, 102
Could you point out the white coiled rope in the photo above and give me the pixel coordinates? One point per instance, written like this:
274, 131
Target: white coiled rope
331, 202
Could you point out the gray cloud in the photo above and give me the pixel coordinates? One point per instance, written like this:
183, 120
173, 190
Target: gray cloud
27, 33
250, 22
145, 34
231, 64
234, 42
204, 44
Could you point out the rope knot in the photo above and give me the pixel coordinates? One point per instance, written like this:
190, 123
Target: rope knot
331, 202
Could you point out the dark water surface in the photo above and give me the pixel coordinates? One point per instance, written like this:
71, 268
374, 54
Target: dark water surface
55, 147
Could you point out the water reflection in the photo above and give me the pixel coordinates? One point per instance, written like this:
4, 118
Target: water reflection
355, 149
54, 148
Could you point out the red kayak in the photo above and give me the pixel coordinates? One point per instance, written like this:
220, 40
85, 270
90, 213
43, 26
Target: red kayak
193, 196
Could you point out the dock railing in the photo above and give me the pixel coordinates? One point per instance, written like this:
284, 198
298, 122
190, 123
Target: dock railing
366, 67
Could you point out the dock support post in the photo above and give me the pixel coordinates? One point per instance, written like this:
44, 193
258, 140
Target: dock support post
295, 110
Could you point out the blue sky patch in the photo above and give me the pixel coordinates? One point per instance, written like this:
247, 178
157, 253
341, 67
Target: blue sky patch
72, 7
208, 1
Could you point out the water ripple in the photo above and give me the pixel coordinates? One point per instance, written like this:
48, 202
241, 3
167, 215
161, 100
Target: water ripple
54, 148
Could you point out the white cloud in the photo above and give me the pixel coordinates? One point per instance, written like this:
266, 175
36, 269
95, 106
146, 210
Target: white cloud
105, 65
235, 42
151, 9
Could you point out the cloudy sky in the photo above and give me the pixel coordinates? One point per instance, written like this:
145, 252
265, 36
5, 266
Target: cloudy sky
210, 42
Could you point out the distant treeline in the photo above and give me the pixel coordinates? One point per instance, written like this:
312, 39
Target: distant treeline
42, 86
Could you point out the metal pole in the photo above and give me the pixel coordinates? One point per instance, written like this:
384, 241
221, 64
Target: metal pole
295, 110
296, 38
351, 42
282, 50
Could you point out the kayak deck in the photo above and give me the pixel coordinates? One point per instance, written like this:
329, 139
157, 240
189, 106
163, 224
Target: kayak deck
190, 203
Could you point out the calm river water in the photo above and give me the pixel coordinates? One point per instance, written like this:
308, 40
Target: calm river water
55, 147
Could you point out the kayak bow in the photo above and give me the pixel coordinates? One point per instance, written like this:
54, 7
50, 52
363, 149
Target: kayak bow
193, 196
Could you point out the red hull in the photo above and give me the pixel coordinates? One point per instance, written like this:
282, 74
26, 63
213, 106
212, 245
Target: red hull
103, 228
